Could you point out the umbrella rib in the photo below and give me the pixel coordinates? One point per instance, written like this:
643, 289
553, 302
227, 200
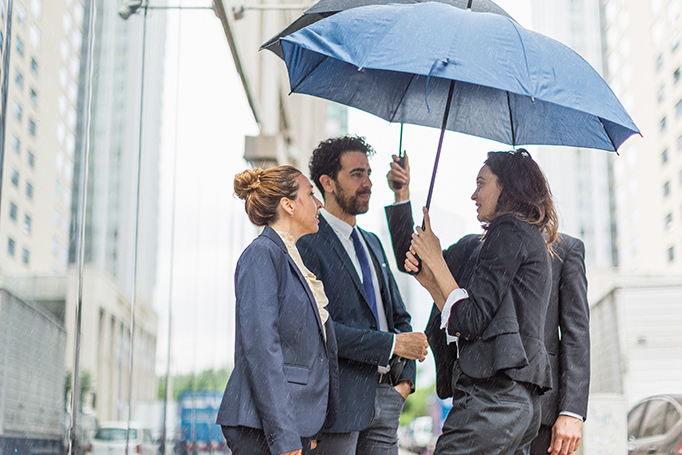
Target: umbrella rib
402, 98
615, 149
293, 89
511, 121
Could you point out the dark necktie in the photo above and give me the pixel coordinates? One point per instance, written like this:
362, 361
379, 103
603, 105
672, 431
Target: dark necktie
366, 273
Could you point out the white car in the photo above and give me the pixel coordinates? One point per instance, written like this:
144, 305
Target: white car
110, 439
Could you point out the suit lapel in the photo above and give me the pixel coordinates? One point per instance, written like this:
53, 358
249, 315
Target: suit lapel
379, 263
271, 234
341, 252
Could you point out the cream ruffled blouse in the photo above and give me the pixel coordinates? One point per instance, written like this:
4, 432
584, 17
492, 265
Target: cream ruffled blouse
315, 285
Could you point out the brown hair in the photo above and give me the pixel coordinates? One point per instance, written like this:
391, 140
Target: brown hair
263, 189
525, 193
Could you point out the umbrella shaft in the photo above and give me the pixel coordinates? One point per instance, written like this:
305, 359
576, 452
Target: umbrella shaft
440, 145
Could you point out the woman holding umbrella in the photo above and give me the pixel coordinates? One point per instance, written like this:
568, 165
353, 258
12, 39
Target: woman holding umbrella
496, 314
284, 386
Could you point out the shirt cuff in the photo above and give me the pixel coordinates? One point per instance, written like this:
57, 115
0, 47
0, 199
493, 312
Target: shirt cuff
385, 369
454, 297
572, 414
401, 202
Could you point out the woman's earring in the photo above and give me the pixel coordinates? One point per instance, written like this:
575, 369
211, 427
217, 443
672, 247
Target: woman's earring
292, 214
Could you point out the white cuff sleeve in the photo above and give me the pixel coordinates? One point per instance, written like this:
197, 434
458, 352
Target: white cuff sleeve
392, 347
454, 297
401, 202
572, 414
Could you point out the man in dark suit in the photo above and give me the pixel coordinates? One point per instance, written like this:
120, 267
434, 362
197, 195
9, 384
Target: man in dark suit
566, 324
372, 326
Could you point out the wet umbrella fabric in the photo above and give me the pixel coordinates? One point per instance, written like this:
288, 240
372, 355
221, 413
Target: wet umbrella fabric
511, 85
325, 8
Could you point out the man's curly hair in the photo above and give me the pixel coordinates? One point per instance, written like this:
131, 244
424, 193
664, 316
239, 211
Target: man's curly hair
326, 158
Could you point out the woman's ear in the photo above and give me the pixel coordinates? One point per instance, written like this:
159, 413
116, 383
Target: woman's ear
287, 206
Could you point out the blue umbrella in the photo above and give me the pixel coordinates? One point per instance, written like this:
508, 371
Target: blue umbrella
507, 83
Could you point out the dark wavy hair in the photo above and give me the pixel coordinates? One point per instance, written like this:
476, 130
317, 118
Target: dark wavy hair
326, 158
525, 193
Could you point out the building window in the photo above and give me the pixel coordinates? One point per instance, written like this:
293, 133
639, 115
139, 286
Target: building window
666, 188
21, 14
31, 127
661, 93
20, 46
669, 222
13, 211
662, 124
31, 159
664, 156
678, 108
15, 177
16, 144
55, 246
33, 97
37, 8
18, 111
25, 256
671, 254
27, 224
659, 62
34, 66
19, 78
675, 41
676, 75
11, 246
34, 36
57, 216
29, 190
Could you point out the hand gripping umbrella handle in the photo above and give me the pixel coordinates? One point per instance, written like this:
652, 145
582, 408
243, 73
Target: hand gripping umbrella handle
435, 165
401, 160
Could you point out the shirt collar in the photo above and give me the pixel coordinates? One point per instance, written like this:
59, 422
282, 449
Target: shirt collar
342, 229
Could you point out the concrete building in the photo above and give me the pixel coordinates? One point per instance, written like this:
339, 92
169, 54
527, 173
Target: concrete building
578, 177
39, 192
290, 125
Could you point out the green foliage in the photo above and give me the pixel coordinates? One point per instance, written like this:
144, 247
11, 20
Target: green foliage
416, 404
206, 380
85, 379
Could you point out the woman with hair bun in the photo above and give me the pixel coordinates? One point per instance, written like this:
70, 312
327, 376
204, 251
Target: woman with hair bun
493, 316
284, 386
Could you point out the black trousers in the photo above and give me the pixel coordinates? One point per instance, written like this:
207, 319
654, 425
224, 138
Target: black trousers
541, 443
251, 441
489, 416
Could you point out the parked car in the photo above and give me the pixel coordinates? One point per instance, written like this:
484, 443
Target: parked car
655, 426
110, 439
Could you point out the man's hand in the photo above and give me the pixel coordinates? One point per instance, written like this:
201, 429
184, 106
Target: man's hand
400, 175
411, 345
404, 388
566, 434
295, 452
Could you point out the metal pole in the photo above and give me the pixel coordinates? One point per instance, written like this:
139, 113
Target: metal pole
131, 354
82, 207
166, 398
5, 85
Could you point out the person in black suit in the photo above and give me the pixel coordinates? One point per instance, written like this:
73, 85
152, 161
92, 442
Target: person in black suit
566, 328
495, 315
372, 326
284, 386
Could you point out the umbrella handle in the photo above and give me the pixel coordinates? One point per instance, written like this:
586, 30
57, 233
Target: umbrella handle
401, 156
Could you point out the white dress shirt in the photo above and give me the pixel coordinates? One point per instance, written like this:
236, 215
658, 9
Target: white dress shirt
343, 231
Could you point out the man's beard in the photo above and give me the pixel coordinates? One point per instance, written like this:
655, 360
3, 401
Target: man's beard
351, 204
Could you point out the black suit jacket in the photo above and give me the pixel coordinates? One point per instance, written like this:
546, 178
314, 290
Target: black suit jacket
361, 346
566, 324
501, 325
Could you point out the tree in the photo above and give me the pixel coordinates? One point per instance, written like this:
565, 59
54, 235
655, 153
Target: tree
209, 379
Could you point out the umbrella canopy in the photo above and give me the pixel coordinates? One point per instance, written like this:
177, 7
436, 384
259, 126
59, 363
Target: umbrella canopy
325, 8
511, 85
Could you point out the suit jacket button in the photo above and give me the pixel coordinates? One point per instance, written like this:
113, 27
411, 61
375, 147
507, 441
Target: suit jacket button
373, 326
466, 339
478, 338
458, 334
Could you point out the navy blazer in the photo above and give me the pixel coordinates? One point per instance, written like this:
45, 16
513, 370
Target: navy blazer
285, 377
501, 324
362, 347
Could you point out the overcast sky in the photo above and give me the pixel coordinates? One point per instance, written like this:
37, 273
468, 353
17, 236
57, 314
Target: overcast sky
211, 228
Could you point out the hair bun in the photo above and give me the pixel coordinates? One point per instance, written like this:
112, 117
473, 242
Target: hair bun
247, 182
